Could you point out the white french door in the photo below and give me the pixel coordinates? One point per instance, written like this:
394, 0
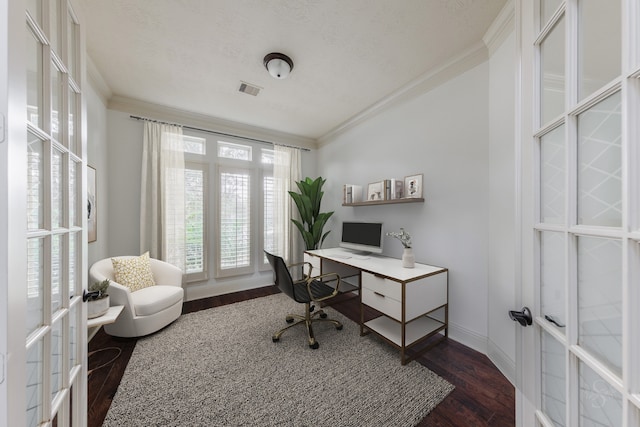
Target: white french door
580, 241
46, 224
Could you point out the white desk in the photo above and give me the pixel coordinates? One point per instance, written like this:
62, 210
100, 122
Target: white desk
412, 302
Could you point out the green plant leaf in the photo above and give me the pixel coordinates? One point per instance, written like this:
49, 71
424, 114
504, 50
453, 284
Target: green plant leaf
308, 202
323, 237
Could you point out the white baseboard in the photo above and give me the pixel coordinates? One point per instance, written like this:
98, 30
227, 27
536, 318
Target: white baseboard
469, 338
195, 292
502, 361
485, 346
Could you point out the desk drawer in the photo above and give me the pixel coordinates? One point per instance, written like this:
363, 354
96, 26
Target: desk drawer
381, 285
383, 303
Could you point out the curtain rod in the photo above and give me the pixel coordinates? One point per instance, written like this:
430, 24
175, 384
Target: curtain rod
215, 132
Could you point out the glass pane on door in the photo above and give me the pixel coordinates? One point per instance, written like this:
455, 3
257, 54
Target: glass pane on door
552, 84
35, 284
34, 80
34, 7
34, 384
73, 338
57, 270
35, 183
547, 9
600, 404
600, 164
552, 176
600, 299
56, 102
74, 263
75, 168
554, 401
71, 140
57, 191
57, 344
72, 42
599, 44
552, 278
54, 25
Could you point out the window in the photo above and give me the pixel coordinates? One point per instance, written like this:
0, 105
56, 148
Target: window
228, 150
195, 183
234, 221
236, 204
194, 145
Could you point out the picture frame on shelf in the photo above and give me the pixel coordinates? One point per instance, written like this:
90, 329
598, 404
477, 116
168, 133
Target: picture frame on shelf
375, 191
413, 186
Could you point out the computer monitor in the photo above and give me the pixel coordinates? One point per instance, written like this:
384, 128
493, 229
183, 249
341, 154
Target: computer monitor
364, 237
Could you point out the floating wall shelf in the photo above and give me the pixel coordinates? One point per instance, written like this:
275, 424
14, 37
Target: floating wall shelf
386, 202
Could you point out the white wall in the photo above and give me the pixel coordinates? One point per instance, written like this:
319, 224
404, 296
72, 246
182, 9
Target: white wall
502, 214
97, 158
125, 160
443, 134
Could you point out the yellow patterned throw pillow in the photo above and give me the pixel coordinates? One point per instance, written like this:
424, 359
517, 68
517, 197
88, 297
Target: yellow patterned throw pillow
134, 273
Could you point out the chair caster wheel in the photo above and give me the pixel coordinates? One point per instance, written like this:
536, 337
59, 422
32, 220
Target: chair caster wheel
275, 339
323, 315
314, 346
339, 327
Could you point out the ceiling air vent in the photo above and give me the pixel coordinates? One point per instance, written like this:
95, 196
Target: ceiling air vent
249, 88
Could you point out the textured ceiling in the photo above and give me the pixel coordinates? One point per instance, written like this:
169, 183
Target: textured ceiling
348, 54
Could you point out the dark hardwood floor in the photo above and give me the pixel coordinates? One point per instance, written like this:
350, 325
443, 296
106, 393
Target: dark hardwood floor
482, 397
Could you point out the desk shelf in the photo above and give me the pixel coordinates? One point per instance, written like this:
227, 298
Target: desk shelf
422, 327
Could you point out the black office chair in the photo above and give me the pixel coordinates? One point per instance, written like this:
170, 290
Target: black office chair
306, 291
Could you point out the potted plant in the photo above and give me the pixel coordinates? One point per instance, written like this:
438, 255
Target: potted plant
408, 259
308, 203
97, 299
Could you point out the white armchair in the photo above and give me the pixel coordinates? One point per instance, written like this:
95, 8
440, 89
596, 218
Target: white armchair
146, 310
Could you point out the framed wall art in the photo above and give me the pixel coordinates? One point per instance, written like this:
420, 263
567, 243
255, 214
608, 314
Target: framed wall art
92, 212
375, 191
413, 186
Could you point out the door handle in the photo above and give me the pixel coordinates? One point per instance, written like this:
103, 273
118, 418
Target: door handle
523, 317
86, 296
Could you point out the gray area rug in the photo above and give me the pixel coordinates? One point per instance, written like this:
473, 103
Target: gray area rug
219, 367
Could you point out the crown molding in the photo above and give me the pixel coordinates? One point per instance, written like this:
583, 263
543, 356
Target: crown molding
97, 82
202, 121
501, 27
467, 60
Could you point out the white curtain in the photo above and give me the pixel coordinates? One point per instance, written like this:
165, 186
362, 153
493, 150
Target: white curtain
162, 217
286, 171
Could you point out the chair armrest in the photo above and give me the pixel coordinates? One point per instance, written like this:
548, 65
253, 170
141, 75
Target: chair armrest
320, 277
165, 273
302, 263
119, 295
